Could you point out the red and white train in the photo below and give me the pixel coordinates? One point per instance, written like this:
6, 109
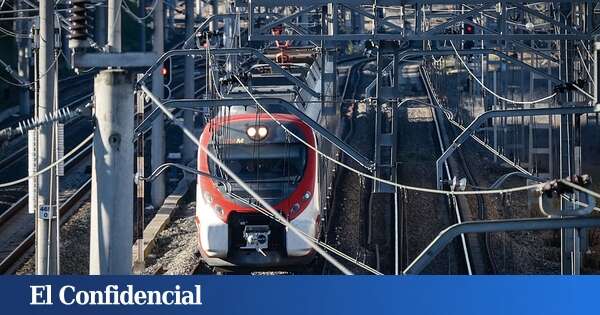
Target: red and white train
281, 169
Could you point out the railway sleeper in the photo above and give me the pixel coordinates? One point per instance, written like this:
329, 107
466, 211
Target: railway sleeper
380, 229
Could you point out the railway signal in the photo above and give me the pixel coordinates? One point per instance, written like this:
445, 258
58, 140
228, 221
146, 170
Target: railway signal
469, 30
165, 71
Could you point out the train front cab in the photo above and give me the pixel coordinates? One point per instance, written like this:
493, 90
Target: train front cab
232, 241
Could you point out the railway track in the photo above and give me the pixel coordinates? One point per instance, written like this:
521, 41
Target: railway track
340, 207
341, 200
476, 251
17, 225
14, 164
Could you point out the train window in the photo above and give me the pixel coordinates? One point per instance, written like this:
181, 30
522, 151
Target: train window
278, 162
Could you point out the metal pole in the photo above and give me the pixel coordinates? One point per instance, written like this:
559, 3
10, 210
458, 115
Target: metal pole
139, 265
567, 109
23, 57
596, 74
45, 226
357, 23
188, 116
111, 223
378, 102
142, 12
453, 231
114, 26
214, 26
568, 237
157, 138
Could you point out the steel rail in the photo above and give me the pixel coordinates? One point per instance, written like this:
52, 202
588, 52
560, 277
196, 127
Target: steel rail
452, 202
73, 201
22, 202
479, 120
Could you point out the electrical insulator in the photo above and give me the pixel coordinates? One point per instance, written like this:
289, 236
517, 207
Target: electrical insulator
78, 36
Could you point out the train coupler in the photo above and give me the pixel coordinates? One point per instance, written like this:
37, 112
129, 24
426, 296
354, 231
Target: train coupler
257, 238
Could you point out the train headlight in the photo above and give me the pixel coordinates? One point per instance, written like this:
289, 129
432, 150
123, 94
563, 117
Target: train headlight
306, 195
251, 132
262, 132
257, 133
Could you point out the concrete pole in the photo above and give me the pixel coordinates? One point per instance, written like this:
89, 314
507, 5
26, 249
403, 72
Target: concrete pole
23, 58
45, 226
188, 116
114, 26
157, 193
111, 223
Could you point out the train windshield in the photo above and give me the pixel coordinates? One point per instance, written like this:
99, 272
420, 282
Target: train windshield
268, 163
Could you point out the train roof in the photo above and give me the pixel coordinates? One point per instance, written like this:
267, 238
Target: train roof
269, 84
285, 92
291, 67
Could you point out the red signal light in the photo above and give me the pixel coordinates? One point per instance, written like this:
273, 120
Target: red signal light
166, 68
469, 29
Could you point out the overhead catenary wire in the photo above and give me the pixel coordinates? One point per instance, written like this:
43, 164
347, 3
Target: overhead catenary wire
450, 117
47, 168
520, 169
136, 17
401, 186
243, 185
159, 170
13, 34
491, 91
54, 62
